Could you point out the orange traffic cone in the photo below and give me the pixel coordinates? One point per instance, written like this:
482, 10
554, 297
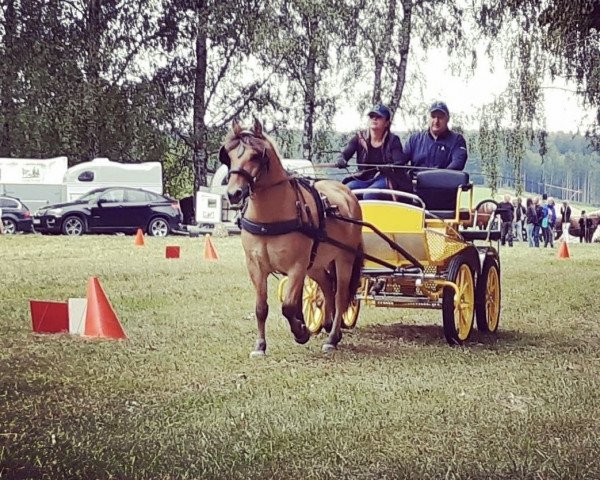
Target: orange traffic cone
210, 252
100, 318
139, 238
563, 250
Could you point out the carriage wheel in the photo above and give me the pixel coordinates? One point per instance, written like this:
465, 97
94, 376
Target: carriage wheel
458, 309
487, 296
313, 306
281, 289
350, 316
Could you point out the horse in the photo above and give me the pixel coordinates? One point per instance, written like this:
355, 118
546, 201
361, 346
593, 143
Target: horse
293, 227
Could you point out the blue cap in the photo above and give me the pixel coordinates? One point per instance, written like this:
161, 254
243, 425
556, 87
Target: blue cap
439, 107
382, 111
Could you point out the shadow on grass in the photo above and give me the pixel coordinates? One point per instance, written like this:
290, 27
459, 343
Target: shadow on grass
379, 339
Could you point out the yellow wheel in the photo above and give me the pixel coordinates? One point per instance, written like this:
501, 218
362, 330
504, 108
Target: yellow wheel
313, 306
350, 317
487, 296
281, 289
458, 308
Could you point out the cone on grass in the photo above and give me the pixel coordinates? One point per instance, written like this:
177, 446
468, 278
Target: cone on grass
100, 318
210, 252
139, 238
563, 250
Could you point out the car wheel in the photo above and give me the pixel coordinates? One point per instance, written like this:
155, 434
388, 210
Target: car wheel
158, 227
9, 227
73, 226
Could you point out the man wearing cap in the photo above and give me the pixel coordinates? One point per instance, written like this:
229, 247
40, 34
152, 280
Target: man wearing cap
376, 147
438, 146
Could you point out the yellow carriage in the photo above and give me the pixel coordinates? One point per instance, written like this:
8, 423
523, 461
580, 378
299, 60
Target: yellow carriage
424, 250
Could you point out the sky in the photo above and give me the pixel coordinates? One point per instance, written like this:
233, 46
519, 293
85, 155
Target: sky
464, 95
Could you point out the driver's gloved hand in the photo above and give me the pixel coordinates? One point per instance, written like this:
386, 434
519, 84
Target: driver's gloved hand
341, 163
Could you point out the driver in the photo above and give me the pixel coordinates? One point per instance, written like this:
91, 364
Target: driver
438, 146
375, 149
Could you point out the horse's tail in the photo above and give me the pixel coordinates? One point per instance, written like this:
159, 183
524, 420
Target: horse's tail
356, 272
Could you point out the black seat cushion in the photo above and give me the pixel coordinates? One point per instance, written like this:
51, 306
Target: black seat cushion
438, 188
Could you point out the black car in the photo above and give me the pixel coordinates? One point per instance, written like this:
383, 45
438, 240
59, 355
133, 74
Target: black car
111, 210
15, 216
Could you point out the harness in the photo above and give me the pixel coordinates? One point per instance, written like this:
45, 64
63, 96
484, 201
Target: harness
307, 227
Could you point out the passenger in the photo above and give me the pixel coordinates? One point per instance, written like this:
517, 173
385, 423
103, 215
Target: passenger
438, 146
375, 149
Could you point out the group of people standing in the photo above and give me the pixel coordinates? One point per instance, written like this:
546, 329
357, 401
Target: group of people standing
382, 161
538, 219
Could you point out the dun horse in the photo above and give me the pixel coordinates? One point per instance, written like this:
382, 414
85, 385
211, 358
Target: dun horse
294, 228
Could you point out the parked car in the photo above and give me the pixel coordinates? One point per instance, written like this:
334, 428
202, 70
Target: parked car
16, 217
112, 210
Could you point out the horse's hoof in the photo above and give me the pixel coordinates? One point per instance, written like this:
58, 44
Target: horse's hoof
328, 348
304, 338
257, 354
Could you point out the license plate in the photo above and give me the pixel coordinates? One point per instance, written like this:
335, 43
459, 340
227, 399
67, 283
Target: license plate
36, 221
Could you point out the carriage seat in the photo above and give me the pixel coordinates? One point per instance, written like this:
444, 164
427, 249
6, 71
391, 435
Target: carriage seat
439, 191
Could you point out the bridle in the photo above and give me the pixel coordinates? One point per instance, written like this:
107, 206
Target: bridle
239, 142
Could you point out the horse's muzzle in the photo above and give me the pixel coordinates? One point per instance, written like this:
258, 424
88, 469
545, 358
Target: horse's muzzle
238, 195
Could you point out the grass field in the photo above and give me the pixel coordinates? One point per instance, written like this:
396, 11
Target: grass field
181, 398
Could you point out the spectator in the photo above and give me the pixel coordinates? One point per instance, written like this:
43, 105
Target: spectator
519, 219
438, 146
506, 211
530, 221
539, 213
583, 227
589, 230
565, 217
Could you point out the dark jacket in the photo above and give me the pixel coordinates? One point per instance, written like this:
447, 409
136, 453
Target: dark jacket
539, 211
565, 213
448, 151
505, 209
531, 215
519, 212
391, 154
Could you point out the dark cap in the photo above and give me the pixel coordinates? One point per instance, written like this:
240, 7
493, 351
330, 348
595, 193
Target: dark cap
382, 111
439, 107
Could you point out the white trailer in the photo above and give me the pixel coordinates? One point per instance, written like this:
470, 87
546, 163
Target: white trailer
35, 181
101, 172
212, 206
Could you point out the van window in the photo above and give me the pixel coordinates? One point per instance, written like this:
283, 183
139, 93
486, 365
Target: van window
8, 203
86, 176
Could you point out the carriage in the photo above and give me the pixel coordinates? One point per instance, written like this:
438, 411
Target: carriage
423, 250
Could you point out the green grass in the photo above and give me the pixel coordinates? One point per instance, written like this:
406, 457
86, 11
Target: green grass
182, 399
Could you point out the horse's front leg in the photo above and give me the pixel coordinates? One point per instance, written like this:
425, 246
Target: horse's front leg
292, 306
259, 281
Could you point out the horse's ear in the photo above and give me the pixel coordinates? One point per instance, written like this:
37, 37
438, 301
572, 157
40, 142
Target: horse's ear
258, 128
236, 127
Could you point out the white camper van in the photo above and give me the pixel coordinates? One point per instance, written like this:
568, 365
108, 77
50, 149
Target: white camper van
212, 206
35, 181
101, 172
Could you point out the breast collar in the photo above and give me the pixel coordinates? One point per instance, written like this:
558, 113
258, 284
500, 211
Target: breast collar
303, 223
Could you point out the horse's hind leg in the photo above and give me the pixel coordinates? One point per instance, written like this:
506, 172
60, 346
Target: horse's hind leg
342, 300
325, 281
261, 311
292, 307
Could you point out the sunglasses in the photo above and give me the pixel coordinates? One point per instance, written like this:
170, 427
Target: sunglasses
374, 115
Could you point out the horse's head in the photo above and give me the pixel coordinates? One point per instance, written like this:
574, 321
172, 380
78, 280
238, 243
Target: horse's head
247, 153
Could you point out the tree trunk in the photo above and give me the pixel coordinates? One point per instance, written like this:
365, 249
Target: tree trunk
92, 69
381, 51
199, 155
310, 94
404, 48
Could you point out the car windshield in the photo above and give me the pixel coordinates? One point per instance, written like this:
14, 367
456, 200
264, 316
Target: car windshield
91, 196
